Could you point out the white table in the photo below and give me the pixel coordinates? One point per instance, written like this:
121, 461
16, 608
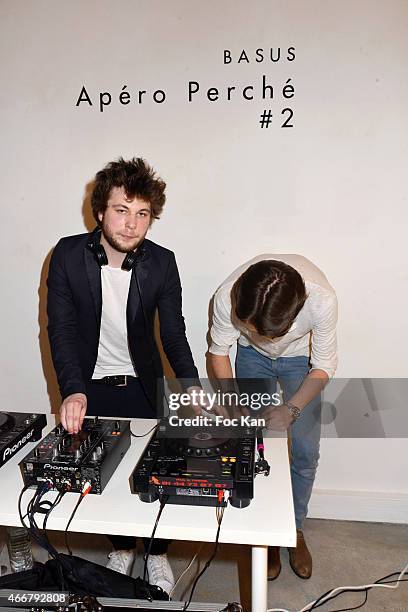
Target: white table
268, 520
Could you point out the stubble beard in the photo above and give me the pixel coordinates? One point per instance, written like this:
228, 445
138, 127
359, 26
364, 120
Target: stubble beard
119, 246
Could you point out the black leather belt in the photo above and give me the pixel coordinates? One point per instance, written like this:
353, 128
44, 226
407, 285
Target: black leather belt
122, 380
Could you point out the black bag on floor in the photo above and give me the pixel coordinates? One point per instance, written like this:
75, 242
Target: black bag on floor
29, 580
81, 577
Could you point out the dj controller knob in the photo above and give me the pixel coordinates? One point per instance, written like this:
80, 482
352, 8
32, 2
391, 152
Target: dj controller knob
95, 456
199, 451
55, 453
208, 451
77, 454
189, 451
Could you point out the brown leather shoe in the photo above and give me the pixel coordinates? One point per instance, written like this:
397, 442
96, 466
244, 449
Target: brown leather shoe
300, 558
274, 564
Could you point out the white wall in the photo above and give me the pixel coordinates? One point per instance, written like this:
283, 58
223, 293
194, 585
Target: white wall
332, 188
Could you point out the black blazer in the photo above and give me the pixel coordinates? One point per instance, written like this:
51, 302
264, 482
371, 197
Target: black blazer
74, 309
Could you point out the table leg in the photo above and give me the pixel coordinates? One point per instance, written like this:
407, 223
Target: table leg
259, 586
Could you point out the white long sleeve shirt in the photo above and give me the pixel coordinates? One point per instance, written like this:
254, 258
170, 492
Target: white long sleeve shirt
313, 333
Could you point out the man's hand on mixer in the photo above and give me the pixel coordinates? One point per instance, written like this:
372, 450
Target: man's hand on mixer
72, 412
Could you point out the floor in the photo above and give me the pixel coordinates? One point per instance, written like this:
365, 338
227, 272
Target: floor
344, 553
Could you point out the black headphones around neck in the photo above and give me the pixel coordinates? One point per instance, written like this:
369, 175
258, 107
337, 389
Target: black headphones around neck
131, 258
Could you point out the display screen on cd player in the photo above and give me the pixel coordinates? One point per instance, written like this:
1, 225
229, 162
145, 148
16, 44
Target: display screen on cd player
196, 467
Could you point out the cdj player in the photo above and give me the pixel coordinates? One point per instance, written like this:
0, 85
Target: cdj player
197, 469
16, 429
70, 460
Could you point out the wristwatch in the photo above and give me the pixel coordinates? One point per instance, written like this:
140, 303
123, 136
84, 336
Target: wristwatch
294, 410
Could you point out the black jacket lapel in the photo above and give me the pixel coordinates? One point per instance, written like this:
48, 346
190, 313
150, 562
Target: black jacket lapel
94, 277
134, 308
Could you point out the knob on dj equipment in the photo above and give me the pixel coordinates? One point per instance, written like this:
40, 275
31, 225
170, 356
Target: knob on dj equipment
77, 453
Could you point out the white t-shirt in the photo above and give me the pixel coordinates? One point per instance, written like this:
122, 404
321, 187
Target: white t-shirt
315, 324
113, 351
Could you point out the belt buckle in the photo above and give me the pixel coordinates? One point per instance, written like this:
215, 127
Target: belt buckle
123, 384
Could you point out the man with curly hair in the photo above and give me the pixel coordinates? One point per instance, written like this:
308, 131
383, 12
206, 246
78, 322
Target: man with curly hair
104, 289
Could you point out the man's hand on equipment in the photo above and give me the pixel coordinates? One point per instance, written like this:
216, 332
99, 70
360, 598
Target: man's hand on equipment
199, 402
72, 412
278, 418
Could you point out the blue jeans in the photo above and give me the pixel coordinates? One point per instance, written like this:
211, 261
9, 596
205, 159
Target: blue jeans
305, 432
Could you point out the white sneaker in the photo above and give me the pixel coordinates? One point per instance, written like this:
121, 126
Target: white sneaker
121, 561
160, 572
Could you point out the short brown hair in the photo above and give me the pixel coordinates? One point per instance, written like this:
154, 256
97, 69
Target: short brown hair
138, 180
269, 295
